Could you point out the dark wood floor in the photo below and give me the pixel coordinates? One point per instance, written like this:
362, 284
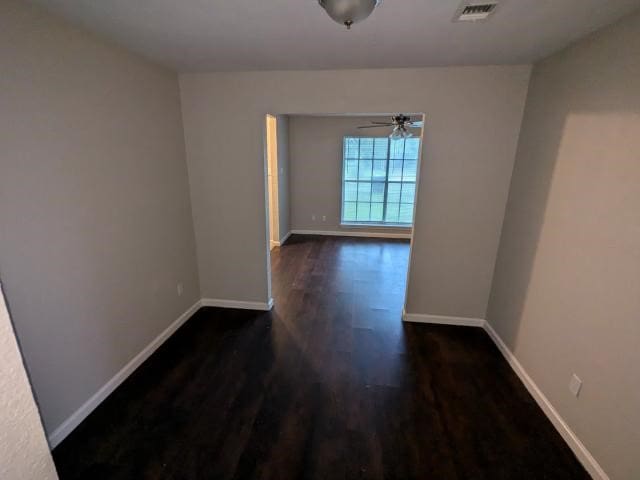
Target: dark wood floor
330, 385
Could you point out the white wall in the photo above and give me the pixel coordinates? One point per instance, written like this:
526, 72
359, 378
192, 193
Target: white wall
316, 169
473, 119
95, 218
24, 452
566, 293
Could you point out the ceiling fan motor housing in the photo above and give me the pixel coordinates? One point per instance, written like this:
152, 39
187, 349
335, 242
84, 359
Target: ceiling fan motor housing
401, 119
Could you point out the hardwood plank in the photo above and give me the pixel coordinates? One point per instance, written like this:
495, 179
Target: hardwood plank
329, 385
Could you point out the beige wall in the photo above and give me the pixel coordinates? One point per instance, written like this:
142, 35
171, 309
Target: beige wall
566, 293
316, 169
24, 452
95, 219
473, 119
284, 169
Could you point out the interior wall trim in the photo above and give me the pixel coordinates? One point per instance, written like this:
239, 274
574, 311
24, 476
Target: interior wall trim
218, 302
284, 239
571, 439
61, 432
279, 243
97, 398
346, 233
579, 449
442, 319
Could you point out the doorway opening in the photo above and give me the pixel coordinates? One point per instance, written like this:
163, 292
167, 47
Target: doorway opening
272, 180
342, 186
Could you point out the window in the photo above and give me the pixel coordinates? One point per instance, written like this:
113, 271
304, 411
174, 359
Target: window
379, 180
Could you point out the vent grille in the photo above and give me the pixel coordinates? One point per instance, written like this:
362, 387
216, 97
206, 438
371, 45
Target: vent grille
475, 11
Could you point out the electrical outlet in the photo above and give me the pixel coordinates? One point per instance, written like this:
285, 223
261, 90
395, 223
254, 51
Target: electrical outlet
575, 384
324, 218
179, 289
313, 217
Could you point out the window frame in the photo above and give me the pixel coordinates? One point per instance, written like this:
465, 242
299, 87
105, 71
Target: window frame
386, 182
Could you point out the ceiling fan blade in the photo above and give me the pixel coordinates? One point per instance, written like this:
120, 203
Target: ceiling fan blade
383, 123
373, 126
415, 125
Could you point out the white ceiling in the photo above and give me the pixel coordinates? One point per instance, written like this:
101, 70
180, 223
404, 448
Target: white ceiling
213, 35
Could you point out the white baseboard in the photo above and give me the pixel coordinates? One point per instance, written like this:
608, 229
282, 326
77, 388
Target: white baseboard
217, 302
442, 319
279, 243
349, 233
284, 239
578, 448
97, 398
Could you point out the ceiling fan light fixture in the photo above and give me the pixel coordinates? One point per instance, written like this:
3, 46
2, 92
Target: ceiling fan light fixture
399, 133
348, 12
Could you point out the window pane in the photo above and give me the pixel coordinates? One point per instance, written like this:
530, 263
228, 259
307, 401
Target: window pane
380, 170
351, 169
366, 148
363, 212
350, 191
349, 212
409, 170
397, 149
381, 146
393, 193
377, 192
350, 147
406, 212
395, 170
376, 212
364, 192
408, 192
411, 148
392, 212
365, 169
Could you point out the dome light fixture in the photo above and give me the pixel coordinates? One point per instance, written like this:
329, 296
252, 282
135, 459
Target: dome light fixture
348, 12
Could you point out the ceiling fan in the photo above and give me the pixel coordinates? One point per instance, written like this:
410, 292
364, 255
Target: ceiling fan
400, 124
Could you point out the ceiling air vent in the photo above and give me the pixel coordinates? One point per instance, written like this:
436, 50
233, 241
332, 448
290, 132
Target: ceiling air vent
472, 12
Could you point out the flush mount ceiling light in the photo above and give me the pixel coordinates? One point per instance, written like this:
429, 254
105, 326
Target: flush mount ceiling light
348, 12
